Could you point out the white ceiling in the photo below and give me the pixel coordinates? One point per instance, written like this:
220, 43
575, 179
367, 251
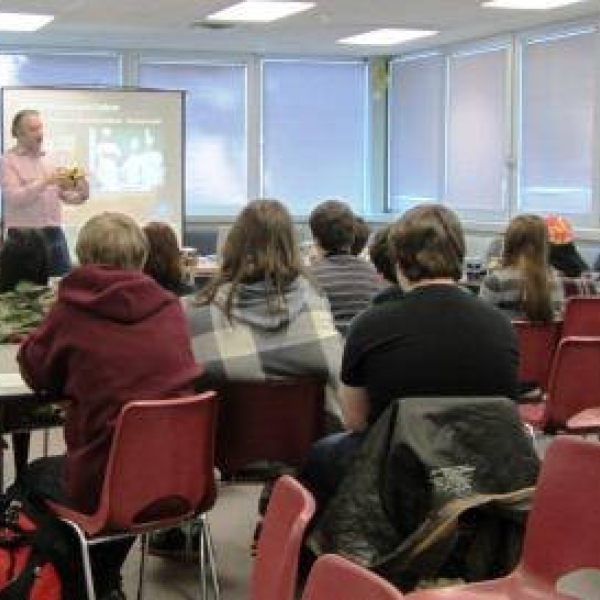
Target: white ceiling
166, 24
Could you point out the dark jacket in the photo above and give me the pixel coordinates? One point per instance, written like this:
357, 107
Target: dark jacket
113, 336
420, 456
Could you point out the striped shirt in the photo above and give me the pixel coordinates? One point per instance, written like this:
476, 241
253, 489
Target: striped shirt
350, 284
504, 288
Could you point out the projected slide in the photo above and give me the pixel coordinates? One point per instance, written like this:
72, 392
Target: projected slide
129, 142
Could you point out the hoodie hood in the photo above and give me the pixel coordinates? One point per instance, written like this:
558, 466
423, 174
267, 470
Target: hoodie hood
250, 306
113, 294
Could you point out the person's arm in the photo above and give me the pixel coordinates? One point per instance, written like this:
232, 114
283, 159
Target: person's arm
355, 407
489, 290
40, 361
17, 192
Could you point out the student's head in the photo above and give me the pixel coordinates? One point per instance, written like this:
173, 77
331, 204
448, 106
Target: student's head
525, 240
379, 252
28, 129
563, 255
427, 243
261, 246
361, 236
24, 257
112, 239
164, 257
333, 227
526, 249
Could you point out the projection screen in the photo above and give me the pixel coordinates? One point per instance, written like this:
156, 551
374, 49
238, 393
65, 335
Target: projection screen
129, 141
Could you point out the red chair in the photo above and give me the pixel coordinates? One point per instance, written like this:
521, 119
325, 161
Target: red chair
290, 509
160, 473
562, 530
537, 344
574, 386
275, 420
335, 578
582, 317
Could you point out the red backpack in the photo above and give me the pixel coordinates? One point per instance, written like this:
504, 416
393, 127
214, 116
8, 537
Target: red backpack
38, 560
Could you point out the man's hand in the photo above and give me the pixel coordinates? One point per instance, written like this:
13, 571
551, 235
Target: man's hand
55, 177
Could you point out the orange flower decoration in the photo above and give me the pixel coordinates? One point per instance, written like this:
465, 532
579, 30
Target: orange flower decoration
559, 230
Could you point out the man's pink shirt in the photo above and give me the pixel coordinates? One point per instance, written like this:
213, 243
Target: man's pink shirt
28, 202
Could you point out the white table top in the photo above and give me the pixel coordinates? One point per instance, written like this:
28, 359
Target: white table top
11, 382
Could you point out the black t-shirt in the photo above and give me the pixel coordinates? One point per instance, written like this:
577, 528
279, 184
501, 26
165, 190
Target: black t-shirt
438, 340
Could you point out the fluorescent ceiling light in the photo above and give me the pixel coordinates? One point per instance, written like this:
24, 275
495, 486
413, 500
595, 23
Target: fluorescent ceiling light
529, 4
386, 37
259, 11
23, 21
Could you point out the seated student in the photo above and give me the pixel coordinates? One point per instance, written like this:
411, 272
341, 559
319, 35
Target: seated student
24, 293
164, 259
379, 252
525, 286
565, 258
440, 340
113, 336
261, 316
348, 281
362, 231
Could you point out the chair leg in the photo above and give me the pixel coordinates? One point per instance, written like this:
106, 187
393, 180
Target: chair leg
85, 557
142, 571
202, 561
210, 547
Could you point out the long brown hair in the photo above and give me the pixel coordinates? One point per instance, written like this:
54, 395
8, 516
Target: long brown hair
164, 258
261, 246
526, 249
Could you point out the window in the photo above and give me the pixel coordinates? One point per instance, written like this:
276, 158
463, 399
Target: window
478, 132
59, 69
215, 128
314, 132
558, 98
416, 131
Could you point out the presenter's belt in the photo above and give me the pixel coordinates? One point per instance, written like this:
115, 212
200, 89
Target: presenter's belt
52, 232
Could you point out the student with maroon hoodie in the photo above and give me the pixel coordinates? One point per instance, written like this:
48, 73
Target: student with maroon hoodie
113, 336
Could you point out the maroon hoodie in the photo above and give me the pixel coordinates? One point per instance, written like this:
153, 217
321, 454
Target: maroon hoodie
113, 336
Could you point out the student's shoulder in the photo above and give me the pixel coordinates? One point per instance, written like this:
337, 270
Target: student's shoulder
377, 318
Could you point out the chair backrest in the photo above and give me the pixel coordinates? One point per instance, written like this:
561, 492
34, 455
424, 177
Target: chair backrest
161, 464
582, 317
276, 566
537, 344
563, 528
335, 578
574, 383
275, 420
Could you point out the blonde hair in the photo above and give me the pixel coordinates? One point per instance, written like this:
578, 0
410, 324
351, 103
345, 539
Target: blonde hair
113, 239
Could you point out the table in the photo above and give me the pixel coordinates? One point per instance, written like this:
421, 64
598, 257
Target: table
201, 268
20, 408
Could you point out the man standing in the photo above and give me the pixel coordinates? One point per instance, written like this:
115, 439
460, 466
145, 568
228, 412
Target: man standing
34, 189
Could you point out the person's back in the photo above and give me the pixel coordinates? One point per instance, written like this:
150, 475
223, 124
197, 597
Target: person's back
438, 340
525, 286
113, 336
503, 288
252, 325
25, 297
349, 282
